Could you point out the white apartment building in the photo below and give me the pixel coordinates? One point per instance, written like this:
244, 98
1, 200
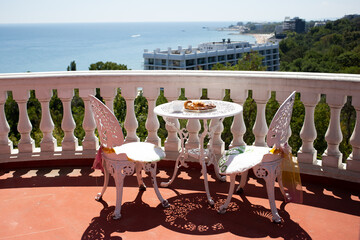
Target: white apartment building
208, 54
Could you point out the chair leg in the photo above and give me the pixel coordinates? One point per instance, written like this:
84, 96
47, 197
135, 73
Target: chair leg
270, 185
119, 183
141, 184
243, 181
120, 169
151, 167
106, 182
223, 207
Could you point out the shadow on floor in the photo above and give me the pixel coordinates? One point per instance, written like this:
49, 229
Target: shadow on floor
333, 195
136, 216
191, 214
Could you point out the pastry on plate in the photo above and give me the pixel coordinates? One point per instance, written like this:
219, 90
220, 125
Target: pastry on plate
198, 105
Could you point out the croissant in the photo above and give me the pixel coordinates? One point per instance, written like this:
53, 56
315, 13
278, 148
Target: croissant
189, 105
198, 105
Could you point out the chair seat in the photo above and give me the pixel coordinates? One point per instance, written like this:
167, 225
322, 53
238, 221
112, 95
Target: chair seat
141, 152
241, 159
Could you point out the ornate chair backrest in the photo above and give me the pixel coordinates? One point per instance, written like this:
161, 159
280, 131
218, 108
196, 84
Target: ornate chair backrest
279, 126
110, 131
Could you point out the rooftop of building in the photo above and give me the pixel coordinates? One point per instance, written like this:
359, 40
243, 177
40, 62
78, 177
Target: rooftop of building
221, 45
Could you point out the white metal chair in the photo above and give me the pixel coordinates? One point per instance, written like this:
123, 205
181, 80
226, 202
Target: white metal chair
265, 161
121, 159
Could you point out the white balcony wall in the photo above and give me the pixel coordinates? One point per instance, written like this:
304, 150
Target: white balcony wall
310, 85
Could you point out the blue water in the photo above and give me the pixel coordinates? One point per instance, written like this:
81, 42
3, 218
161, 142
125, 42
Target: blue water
51, 47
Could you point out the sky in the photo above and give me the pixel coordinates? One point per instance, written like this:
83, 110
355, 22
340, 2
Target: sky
67, 11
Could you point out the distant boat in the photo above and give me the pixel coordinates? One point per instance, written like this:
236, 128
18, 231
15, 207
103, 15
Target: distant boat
135, 35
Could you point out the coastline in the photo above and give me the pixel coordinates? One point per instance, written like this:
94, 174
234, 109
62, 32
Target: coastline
260, 38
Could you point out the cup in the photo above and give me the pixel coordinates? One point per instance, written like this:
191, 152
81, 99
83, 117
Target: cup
177, 106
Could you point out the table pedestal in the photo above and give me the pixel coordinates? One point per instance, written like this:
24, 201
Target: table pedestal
199, 153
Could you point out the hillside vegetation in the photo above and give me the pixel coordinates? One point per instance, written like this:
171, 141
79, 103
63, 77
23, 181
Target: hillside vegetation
333, 48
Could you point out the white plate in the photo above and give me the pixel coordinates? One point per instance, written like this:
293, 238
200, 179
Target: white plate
200, 111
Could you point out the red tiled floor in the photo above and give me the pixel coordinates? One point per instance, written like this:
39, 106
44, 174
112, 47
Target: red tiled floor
58, 203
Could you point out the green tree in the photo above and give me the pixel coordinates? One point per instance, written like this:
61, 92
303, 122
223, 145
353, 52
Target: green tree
107, 66
249, 62
72, 66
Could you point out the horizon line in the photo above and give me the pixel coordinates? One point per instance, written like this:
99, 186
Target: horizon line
197, 21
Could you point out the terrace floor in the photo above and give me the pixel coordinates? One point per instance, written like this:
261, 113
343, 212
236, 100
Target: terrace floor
58, 203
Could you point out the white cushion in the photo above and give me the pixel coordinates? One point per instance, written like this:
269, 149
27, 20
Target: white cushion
141, 152
241, 159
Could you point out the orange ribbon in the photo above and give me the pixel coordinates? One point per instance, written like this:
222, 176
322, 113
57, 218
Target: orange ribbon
290, 173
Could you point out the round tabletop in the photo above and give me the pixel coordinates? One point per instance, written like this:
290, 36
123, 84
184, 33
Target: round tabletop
223, 109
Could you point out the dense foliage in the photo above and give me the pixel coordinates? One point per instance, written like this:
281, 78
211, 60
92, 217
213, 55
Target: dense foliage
249, 62
107, 66
333, 48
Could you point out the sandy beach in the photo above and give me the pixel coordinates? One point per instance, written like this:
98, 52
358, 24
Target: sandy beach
262, 38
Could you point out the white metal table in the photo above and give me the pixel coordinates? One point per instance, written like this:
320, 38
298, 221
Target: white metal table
223, 109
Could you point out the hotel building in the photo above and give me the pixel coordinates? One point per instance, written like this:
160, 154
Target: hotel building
208, 54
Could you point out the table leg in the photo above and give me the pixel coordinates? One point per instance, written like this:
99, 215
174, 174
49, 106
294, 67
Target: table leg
177, 166
223, 207
206, 183
180, 161
212, 158
202, 162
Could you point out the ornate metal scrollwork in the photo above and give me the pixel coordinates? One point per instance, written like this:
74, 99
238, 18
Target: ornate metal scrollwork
278, 129
108, 127
266, 170
128, 169
125, 168
261, 172
149, 167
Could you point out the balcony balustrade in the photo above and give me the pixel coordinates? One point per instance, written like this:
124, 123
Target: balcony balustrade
336, 87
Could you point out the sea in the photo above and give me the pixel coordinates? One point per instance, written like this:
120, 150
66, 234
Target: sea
51, 47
